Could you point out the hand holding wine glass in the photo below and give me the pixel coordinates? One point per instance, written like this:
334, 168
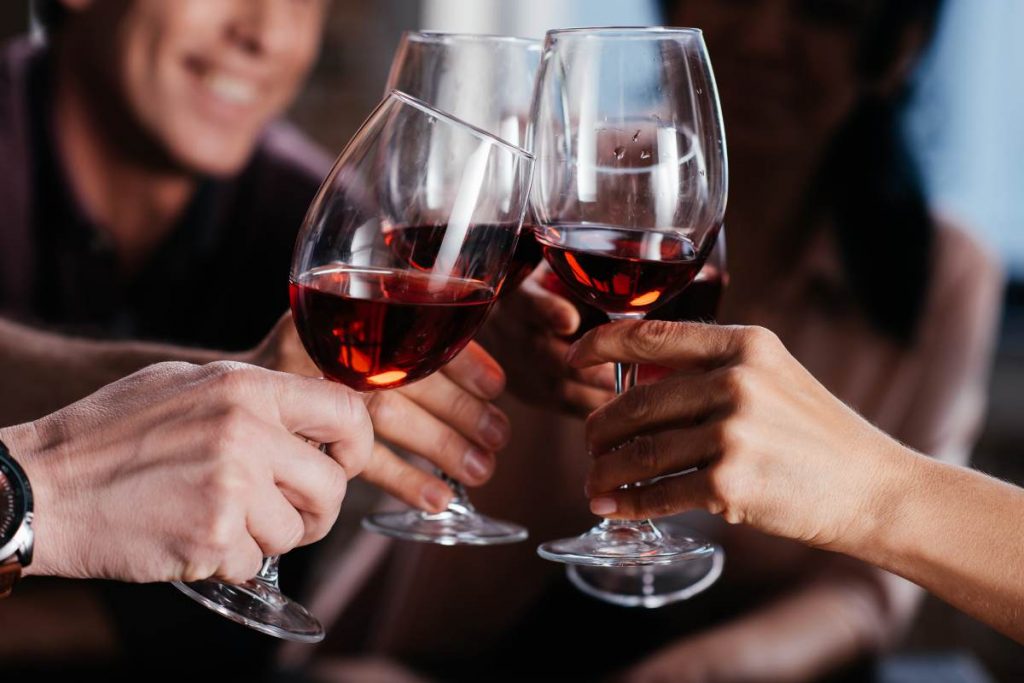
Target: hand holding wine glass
447, 419
759, 426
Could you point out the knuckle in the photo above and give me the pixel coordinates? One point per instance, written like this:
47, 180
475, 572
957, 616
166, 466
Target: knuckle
636, 403
656, 500
644, 454
760, 341
726, 483
217, 534
650, 338
196, 566
334, 495
350, 408
465, 404
233, 428
381, 406
735, 381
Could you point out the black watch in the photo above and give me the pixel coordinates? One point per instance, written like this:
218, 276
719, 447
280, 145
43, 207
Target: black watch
16, 537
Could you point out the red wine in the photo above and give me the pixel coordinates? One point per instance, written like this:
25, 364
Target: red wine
375, 328
618, 270
697, 303
420, 246
525, 259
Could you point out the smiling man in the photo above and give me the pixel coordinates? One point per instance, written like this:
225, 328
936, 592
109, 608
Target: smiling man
147, 196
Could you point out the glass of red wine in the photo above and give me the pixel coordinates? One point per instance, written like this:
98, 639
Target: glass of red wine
630, 195
484, 80
399, 261
654, 586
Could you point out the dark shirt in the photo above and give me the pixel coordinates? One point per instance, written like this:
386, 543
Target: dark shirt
219, 280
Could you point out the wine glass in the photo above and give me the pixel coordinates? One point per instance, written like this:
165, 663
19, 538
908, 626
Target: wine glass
484, 80
398, 262
630, 195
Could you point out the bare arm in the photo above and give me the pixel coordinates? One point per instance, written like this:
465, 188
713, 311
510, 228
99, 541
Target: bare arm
448, 418
44, 372
786, 457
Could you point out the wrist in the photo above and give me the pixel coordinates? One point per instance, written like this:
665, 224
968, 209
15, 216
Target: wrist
888, 480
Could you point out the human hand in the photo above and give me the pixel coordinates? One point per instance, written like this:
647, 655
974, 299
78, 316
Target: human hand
447, 418
775, 450
184, 472
530, 334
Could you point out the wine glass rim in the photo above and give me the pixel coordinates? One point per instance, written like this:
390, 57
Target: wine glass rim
474, 130
625, 31
440, 36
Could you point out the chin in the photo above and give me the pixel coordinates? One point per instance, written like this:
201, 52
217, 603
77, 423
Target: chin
214, 160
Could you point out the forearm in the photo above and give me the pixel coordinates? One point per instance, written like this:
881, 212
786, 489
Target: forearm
799, 637
955, 532
43, 371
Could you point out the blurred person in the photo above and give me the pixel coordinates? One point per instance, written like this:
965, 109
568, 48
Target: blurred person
833, 247
151, 203
762, 433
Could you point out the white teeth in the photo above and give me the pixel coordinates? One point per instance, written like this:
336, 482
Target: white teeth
230, 89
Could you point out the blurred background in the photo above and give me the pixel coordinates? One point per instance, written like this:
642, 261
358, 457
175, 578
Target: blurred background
964, 123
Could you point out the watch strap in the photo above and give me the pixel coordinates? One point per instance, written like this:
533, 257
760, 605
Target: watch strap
10, 572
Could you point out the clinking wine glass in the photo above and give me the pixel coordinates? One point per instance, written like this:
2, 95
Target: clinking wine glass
486, 81
630, 195
398, 263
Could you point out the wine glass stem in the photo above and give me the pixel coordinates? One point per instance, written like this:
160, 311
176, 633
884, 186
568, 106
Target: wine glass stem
625, 379
269, 570
460, 501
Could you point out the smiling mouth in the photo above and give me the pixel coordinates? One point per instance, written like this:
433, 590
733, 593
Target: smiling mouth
230, 89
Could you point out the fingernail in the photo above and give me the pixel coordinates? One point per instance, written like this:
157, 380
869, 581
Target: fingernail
494, 428
436, 496
476, 464
490, 383
603, 506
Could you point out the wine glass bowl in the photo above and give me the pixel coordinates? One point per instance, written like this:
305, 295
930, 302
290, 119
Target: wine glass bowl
485, 80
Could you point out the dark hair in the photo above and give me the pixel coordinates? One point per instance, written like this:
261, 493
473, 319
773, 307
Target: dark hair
871, 188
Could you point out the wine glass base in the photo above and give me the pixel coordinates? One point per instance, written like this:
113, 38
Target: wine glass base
258, 605
450, 527
650, 587
618, 544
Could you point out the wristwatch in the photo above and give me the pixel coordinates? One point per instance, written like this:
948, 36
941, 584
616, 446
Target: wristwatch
16, 537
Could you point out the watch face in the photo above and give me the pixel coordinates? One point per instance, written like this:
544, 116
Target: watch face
7, 510
13, 505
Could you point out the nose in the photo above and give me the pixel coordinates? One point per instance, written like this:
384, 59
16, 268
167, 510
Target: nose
259, 27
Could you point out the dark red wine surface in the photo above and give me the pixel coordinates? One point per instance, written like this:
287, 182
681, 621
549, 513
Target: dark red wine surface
620, 271
373, 328
527, 256
481, 249
699, 303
